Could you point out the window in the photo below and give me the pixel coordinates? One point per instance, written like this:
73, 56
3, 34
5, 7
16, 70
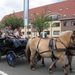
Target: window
22, 16
28, 27
48, 32
37, 13
60, 9
56, 32
33, 26
44, 12
23, 33
29, 21
28, 33
56, 25
35, 34
31, 14
55, 17
49, 11
74, 14
73, 23
34, 18
49, 16
64, 15
65, 23
67, 8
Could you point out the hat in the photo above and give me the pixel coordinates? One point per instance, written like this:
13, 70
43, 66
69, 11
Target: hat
9, 24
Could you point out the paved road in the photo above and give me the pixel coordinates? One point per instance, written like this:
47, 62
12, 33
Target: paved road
22, 68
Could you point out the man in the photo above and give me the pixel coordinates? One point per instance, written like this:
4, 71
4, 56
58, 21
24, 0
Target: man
1, 37
9, 34
19, 35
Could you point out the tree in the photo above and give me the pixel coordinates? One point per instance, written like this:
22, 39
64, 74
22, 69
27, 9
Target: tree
12, 19
41, 21
2, 26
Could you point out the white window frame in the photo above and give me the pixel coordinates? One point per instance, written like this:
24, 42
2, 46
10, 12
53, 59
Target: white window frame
56, 32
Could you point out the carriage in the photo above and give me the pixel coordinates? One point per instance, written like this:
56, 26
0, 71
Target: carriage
11, 53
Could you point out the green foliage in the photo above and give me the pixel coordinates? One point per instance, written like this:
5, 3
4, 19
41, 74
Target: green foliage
15, 21
2, 26
41, 22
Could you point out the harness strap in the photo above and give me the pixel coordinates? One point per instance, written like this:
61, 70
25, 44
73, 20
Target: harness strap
60, 49
44, 51
38, 48
38, 45
62, 43
53, 56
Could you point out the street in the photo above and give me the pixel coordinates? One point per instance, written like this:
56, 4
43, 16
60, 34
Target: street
23, 68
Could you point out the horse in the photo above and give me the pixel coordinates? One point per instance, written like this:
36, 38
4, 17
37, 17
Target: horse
57, 51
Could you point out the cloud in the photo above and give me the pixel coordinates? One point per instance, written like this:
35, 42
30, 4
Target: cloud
37, 3
8, 6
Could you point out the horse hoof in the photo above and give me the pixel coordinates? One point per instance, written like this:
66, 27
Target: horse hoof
72, 71
50, 71
66, 65
33, 69
66, 73
43, 64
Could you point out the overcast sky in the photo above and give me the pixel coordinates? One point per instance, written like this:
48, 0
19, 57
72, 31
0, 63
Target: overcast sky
10, 6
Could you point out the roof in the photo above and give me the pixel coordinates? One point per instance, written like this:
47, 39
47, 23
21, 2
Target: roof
65, 8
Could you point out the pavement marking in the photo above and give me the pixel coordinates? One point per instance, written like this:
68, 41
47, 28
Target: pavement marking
3, 73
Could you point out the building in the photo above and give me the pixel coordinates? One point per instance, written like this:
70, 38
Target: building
63, 14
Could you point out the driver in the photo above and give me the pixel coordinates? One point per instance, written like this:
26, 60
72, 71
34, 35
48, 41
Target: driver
9, 34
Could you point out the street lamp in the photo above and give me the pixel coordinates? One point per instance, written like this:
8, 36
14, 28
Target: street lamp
26, 14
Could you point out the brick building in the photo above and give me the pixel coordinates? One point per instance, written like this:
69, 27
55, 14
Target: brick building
63, 14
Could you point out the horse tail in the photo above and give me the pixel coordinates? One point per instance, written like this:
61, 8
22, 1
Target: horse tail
28, 52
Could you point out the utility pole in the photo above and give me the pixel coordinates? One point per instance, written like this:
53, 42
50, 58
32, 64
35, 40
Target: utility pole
26, 15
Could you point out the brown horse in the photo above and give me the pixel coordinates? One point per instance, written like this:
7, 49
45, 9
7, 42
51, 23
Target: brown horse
58, 51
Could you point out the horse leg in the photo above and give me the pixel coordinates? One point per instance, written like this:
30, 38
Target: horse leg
32, 65
53, 63
70, 63
61, 58
43, 63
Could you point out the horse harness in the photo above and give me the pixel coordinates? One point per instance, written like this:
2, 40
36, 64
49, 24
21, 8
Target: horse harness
53, 46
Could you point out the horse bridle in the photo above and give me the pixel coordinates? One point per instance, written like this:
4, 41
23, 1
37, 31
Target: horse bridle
72, 38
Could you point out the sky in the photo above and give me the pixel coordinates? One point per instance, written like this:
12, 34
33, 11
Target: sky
10, 6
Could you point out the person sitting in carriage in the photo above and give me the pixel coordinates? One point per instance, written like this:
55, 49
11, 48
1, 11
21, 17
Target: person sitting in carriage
19, 35
1, 37
9, 34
